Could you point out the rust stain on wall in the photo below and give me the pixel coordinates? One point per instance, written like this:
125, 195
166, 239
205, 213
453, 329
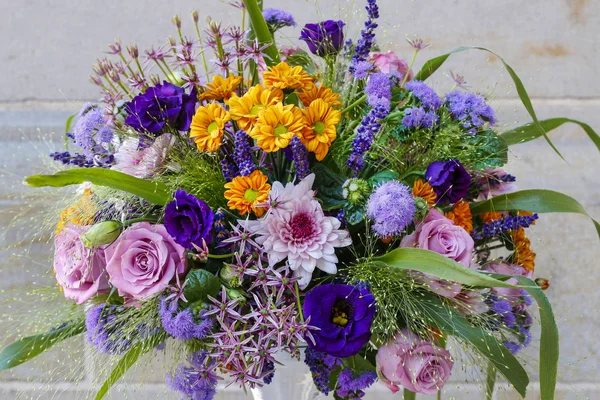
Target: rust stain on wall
577, 11
551, 50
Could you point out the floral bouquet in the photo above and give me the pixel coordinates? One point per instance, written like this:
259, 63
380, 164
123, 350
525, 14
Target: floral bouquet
234, 200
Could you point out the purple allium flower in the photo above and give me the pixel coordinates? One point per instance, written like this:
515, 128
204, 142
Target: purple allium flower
300, 157
163, 104
449, 179
367, 35
351, 387
188, 220
418, 117
470, 109
423, 92
197, 381
321, 365
243, 154
104, 332
379, 90
183, 324
325, 38
277, 19
417, 43
392, 207
343, 315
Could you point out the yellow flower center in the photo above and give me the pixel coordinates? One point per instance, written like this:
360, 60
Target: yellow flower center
319, 127
256, 109
280, 130
251, 194
340, 313
212, 127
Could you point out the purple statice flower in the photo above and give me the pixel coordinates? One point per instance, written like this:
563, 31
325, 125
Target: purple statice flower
76, 159
324, 38
471, 109
424, 93
159, 106
268, 372
367, 36
362, 69
242, 153
197, 381
220, 229
229, 168
449, 179
277, 19
104, 330
321, 365
379, 90
365, 134
418, 117
506, 224
351, 387
300, 157
183, 324
188, 220
392, 208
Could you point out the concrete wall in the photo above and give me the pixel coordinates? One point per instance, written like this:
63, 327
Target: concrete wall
48, 48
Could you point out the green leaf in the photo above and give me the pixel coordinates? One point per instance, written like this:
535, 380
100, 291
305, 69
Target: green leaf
488, 150
432, 65
435, 264
29, 347
408, 395
154, 192
533, 200
354, 214
261, 31
358, 363
199, 284
382, 177
302, 59
69, 122
329, 187
448, 320
530, 131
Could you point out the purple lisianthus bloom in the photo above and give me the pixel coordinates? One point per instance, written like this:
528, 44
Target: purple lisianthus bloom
325, 38
188, 220
449, 179
161, 105
343, 315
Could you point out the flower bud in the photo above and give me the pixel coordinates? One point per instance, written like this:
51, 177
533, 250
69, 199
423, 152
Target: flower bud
103, 233
228, 275
195, 16
422, 208
356, 191
233, 294
543, 283
176, 21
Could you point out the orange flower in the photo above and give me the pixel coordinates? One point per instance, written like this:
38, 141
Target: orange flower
82, 213
491, 216
319, 131
320, 92
245, 109
245, 192
208, 126
221, 89
276, 126
461, 215
523, 255
425, 191
282, 76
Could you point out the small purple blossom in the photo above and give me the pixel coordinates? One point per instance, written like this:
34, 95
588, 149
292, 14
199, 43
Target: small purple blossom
428, 97
229, 168
104, 330
352, 387
243, 153
367, 36
379, 90
183, 324
362, 69
392, 208
365, 134
277, 19
509, 223
471, 109
449, 179
418, 117
321, 366
417, 43
300, 157
197, 381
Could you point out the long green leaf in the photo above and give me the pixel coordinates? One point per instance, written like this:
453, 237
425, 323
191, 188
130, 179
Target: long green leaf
261, 31
154, 192
432, 65
530, 131
29, 347
533, 200
448, 320
439, 266
408, 395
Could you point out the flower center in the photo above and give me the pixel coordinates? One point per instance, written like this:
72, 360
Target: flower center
341, 312
213, 126
318, 127
256, 109
280, 130
302, 226
251, 194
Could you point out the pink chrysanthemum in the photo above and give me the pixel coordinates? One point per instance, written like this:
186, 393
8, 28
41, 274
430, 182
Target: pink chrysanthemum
299, 231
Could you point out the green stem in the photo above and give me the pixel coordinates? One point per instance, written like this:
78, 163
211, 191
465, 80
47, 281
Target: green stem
409, 68
220, 256
261, 30
330, 73
408, 395
412, 173
204, 64
298, 302
360, 100
126, 63
490, 382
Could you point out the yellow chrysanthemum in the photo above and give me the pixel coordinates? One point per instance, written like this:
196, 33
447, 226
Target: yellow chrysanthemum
320, 92
320, 129
461, 215
221, 89
282, 76
208, 126
425, 191
82, 213
245, 192
523, 255
245, 109
276, 126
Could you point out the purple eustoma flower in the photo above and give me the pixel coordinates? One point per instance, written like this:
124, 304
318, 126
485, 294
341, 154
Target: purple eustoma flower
188, 220
343, 314
325, 38
161, 105
449, 179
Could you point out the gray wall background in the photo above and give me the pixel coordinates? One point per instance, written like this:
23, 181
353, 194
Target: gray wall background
48, 47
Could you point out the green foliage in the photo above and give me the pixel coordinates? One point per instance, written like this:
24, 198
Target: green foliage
302, 59
199, 284
329, 187
382, 177
487, 149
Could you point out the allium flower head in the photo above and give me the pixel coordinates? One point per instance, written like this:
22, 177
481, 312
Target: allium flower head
392, 207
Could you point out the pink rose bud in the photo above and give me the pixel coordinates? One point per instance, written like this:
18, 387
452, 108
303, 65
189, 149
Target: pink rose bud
389, 63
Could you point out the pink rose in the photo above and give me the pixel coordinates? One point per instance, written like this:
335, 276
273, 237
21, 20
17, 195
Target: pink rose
413, 363
495, 182
79, 270
438, 233
144, 260
504, 268
389, 63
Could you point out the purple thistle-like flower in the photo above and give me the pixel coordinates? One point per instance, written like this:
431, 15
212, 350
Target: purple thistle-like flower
242, 154
300, 157
428, 97
418, 117
197, 381
379, 90
471, 109
104, 331
417, 43
183, 324
367, 36
392, 208
277, 19
351, 387
365, 134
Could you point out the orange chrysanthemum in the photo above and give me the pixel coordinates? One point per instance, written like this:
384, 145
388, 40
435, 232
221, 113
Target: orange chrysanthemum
320, 92
425, 191
276, 126
461, 215
82, 213
245, 192
491, 216
208, 126
282, 76
523, 255
320, 129
245, 109
221, 89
